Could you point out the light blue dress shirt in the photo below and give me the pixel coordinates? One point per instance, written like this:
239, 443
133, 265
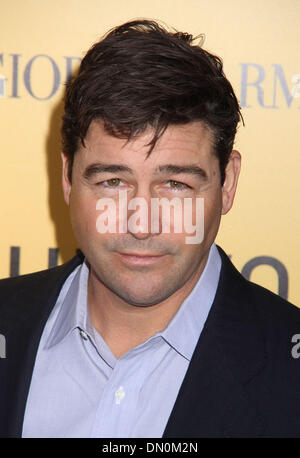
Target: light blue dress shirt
80, 389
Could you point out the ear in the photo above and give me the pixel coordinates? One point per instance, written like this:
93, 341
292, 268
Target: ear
66, 184
231, 180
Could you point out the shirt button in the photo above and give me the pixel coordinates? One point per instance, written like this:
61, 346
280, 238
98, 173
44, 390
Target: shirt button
83, 335
119, 395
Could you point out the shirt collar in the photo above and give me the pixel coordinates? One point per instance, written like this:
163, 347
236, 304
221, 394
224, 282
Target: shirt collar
72, 312
72, 308
191, 316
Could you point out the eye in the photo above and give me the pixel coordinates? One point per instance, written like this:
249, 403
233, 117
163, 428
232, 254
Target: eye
112, 182
177, 185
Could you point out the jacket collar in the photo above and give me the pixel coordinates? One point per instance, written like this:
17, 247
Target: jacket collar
229, 354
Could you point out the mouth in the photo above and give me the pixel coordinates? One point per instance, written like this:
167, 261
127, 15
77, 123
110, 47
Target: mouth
137, 259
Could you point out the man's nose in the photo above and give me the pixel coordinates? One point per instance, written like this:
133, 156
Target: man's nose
139, 213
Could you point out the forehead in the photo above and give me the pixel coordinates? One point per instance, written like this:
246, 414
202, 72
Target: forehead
179, 143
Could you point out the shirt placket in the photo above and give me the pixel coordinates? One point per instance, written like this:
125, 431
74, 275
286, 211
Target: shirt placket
117, 409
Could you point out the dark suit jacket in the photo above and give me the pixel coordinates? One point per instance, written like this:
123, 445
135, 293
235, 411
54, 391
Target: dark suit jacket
242, 380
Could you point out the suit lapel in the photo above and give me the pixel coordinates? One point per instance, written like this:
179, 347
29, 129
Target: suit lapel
213, 399
28, 312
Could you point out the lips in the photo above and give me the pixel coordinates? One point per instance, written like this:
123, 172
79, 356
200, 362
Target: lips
142, 255
139, 259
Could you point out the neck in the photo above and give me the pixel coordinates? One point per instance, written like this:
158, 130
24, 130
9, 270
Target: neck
123, 326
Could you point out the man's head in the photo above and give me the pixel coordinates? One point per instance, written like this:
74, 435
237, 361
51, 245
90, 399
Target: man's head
141, 75
144, 87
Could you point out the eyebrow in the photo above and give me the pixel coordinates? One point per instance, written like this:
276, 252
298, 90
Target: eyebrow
185, 169
100, 167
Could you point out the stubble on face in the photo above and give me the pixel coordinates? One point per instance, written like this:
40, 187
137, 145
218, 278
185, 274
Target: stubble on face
178, 270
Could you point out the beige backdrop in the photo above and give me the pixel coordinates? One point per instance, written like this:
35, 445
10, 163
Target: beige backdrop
259, 41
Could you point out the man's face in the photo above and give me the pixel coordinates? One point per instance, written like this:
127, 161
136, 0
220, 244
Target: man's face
107, 165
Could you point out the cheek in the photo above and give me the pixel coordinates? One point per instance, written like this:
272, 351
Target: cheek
212, 213
83, 214
208, 207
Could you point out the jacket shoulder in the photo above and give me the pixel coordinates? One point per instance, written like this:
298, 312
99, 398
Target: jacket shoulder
279, 317
271, 302
24, 288
270, 306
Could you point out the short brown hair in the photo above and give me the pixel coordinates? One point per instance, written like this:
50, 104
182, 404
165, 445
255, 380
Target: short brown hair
141, 75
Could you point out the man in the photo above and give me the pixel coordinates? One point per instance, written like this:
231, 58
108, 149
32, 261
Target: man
149, 333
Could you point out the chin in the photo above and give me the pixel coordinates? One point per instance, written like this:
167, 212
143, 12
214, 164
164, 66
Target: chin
139, 297
140, 300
